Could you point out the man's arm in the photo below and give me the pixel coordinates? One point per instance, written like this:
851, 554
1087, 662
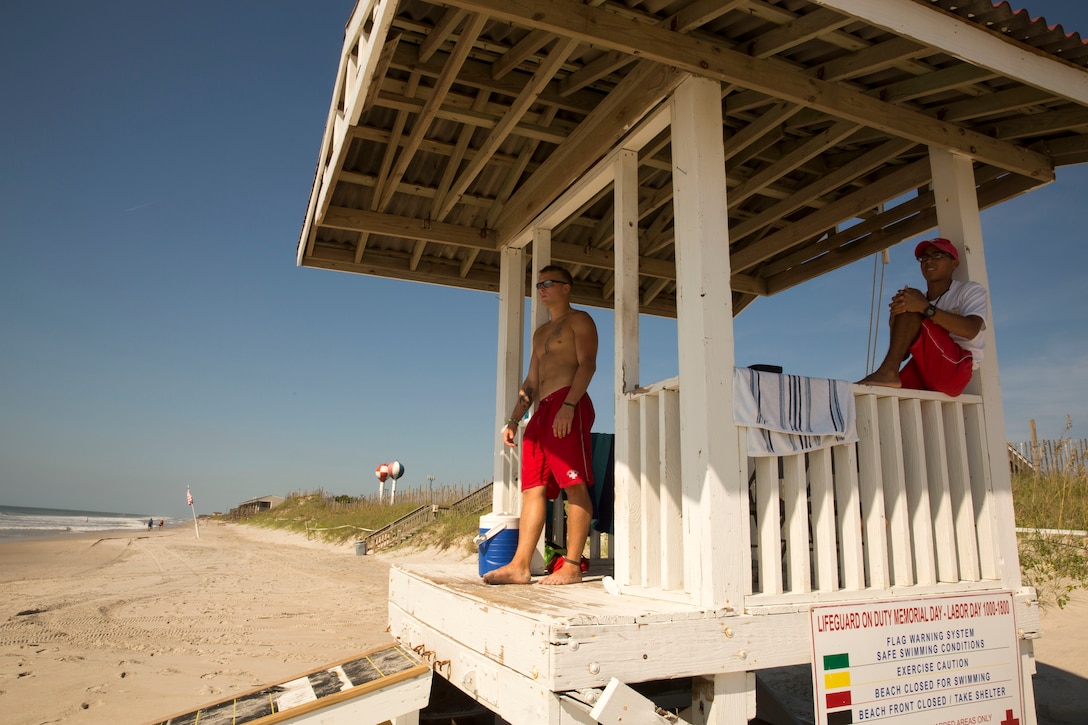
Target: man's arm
526, 395
913, 300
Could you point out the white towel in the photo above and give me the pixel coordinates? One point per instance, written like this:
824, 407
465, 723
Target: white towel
792, 414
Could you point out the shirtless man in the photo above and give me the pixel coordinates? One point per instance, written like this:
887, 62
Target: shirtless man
940, 329
556, 453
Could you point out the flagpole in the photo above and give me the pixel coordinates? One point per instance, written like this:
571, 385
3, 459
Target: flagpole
189, 497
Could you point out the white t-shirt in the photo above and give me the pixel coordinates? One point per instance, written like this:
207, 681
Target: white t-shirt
967, 299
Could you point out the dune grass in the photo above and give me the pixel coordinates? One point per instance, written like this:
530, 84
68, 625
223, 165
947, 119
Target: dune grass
1052, 516
340, 518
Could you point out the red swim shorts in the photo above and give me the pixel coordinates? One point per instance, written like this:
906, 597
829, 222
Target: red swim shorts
557, 462
937, 362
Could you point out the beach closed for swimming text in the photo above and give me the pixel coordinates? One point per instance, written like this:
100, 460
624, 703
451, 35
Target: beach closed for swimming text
931, 661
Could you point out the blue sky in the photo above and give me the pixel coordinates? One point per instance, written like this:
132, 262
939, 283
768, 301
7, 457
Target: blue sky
155, 166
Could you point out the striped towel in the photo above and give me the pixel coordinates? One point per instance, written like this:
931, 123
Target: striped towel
792, 414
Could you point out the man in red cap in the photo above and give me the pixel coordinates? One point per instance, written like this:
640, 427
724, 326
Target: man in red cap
940, 329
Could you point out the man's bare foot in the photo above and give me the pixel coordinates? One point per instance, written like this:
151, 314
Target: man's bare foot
884, 380
569, 573
508, 575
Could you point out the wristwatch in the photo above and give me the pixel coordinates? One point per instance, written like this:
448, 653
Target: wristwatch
931, 310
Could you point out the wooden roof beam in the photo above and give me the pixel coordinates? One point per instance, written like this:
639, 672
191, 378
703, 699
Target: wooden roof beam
869, 196
466, 115
392, 225
790, 161
646, 86
869, 60
999, 102
442, 30
693, 16
933, 26
796, 31
506, 125
534, 41
824, 185
477, 74
990, 193
591, 25
430, 109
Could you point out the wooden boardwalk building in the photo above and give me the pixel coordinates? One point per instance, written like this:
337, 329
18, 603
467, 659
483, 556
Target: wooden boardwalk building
684, 158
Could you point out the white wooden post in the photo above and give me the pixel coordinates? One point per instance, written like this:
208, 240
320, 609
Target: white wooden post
958, 219
627, 542
542, 257
717, 558
506, 495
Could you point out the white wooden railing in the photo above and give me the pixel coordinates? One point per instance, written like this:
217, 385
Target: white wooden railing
909, 506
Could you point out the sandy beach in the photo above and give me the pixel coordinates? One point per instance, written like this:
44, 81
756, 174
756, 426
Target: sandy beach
129, 627
123, 628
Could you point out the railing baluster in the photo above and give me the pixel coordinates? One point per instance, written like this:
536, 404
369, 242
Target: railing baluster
916, 483
672, 521
768, 525
871, 486
848, 517
798, 563
650, 425
940, 499
822, 501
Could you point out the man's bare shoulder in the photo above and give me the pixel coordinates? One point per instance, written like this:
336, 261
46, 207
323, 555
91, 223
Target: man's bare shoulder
581, 317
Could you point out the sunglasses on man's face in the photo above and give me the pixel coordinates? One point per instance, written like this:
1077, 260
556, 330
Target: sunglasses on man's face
547, 283
935, 256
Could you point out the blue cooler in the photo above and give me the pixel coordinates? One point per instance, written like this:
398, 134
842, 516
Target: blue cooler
498, 540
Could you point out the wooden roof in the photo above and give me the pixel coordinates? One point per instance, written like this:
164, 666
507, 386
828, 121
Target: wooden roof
452, 126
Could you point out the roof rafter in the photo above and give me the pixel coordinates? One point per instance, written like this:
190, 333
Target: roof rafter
592, 25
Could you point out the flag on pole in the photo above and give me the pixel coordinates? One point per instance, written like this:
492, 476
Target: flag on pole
188, 496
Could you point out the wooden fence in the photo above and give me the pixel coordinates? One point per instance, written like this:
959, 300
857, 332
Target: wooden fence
1064, 456
410, 523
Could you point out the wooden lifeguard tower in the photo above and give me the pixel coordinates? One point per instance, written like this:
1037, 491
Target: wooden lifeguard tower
685, 158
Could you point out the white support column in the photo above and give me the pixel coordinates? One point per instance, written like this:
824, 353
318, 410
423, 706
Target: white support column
506, 494
627, 541
542, 257
958, 219
715, 492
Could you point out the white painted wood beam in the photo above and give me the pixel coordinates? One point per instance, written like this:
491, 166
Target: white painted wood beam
971, 43
339, 217
622, 705
605, 29
642, 90
959, 221
506, 494
422, 123
627, 543
529, 94
715, 496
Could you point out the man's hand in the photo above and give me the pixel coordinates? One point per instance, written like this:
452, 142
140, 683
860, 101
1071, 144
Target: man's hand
510, 435
563, 421
908, 299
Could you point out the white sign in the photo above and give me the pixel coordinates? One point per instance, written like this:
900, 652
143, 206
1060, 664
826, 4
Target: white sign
933, 661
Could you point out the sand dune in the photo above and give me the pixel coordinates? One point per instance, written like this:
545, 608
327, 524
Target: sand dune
130, 627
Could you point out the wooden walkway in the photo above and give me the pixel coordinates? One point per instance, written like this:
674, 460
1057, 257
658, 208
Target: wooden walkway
383, 684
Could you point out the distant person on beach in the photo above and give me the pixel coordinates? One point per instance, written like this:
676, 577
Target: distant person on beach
940, 329
150, 524
556, 451
161, 523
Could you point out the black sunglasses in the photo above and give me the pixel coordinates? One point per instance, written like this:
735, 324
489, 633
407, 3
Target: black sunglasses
546, 283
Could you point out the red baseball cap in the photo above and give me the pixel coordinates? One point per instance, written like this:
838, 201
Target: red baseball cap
940, 243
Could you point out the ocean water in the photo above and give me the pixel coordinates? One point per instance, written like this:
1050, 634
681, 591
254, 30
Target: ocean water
21, 522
